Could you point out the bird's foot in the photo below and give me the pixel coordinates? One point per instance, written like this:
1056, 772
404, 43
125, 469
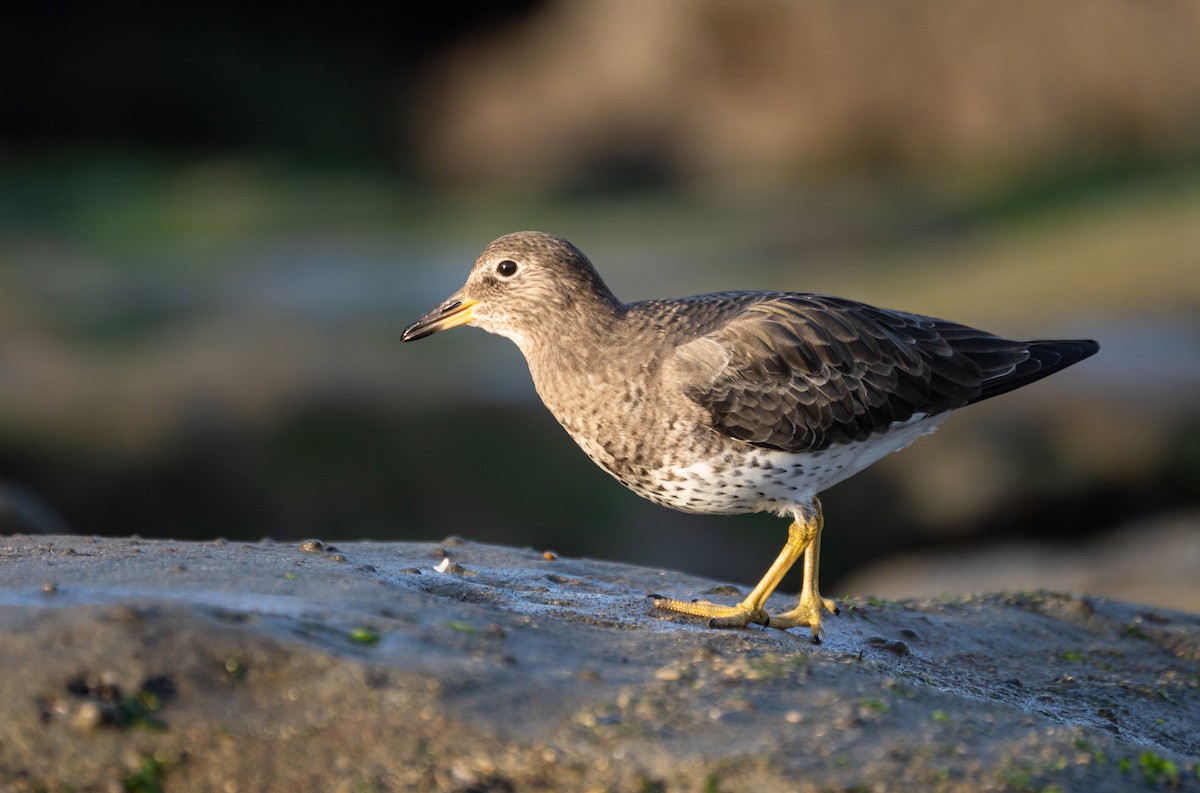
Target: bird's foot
807, 613
719, 616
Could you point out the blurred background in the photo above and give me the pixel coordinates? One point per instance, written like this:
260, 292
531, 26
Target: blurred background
216, 220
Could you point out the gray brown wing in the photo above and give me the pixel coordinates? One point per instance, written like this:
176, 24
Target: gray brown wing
801, 372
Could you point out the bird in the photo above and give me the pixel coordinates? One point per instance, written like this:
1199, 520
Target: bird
733, 402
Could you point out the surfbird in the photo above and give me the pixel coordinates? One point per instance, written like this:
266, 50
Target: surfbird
733, 402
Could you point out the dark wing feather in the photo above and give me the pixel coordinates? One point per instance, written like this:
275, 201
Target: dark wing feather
801, 372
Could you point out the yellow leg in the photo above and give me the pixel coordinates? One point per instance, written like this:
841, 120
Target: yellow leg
808, 610
804, 537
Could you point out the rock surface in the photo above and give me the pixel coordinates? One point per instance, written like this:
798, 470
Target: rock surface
157, 665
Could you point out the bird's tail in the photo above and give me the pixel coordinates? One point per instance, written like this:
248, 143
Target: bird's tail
1044, 358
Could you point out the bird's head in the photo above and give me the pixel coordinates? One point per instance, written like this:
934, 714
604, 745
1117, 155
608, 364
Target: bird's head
522, 284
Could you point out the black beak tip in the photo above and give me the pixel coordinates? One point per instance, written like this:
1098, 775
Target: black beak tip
414, 332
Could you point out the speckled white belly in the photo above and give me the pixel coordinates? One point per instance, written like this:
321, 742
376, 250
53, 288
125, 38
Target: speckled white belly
751, 479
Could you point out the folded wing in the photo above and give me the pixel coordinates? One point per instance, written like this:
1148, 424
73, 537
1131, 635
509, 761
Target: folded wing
802, 372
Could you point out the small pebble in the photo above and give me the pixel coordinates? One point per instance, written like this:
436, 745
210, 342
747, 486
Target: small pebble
897, 647
550, 556
50, 588
312, 546
723, 589
88, 716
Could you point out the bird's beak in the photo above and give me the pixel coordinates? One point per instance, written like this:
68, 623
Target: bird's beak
457, 310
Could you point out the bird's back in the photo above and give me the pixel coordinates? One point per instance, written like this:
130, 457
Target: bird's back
801, 372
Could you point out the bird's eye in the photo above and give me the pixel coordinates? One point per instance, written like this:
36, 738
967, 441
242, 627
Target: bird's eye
506, 268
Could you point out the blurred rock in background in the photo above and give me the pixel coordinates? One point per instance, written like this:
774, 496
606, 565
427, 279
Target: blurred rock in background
215, 221
740, 94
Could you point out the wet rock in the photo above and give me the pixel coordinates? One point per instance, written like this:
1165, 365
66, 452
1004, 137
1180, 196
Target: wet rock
294, 674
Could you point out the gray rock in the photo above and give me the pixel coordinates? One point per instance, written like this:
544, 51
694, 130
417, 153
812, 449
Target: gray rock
464, 667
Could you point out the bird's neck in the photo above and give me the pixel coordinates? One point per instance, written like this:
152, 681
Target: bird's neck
573, 348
